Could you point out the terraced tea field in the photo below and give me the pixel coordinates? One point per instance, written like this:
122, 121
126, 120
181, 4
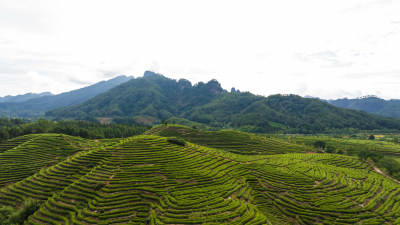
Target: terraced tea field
12, 143
26, 155
147, 180
346, 144
230, 140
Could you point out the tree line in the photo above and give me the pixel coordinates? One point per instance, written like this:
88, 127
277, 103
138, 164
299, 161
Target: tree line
11, 128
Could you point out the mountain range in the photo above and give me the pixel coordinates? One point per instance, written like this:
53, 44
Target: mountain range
35, 105
24, 97
160, 97
371, 104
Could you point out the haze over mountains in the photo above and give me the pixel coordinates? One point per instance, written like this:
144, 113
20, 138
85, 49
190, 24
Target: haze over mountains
35, 105
371, 104
23, 97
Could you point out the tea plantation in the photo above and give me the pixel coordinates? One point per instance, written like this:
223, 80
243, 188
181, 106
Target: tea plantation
347, 144
24, 156
214, 178
230, 140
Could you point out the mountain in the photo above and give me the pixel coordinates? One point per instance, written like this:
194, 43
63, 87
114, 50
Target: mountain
24, 97
160, 97
151, 95
371, 104
38, 106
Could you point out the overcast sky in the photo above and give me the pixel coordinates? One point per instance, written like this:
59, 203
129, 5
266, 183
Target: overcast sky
324, 48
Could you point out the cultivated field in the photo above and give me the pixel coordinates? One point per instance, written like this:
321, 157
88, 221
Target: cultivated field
148, 180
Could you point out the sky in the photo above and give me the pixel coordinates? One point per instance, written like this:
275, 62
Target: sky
323, 48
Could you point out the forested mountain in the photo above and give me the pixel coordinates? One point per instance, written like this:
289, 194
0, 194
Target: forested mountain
157, 96
371, 104
24, 97
152, 95
37, 106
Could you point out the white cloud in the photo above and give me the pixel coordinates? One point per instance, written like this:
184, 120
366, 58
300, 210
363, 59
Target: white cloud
304, 47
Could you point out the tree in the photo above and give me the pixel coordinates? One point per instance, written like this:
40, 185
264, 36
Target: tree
330, 149
396, 175
12, 216
177, 141
374, 156
391, 165
84, 133
363, 154
371, 137
320, 144
4, 135
15, 132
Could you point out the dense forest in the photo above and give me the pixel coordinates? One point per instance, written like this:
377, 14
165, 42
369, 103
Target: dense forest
208, 103
11, 128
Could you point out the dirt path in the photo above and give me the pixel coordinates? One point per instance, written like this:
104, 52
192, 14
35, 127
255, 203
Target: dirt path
379, 171
384, 174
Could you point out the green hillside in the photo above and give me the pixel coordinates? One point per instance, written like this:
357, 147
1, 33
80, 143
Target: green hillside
159, 97
24, 156
148, 180
230, 140
12, 143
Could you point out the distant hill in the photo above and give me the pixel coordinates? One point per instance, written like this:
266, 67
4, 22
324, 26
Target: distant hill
24, 97
160, 97
370, 104
38, 106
